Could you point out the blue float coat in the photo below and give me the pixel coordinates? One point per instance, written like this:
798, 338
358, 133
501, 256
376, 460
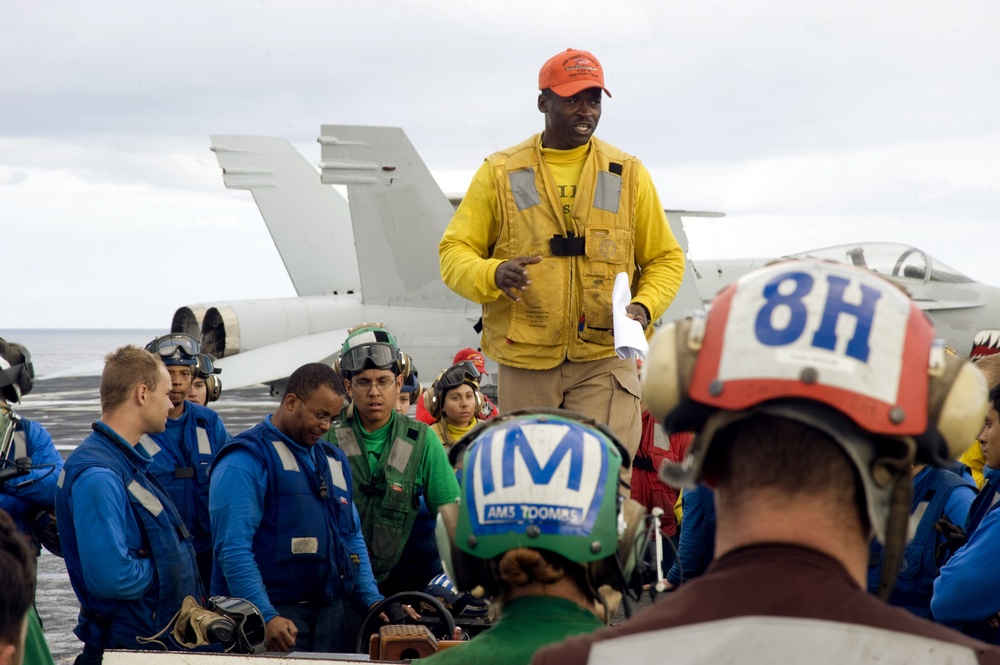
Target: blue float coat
942, 494
127, 552
987, 498
37, 488
968, 588
182, 456
238, 501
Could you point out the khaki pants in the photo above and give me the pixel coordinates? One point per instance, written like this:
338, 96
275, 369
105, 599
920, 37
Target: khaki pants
605, 390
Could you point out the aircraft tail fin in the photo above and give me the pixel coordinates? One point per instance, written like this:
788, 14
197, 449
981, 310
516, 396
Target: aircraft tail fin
398, 211
309, 223
689, 298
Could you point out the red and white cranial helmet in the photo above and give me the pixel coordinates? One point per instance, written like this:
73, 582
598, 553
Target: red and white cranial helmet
825, 333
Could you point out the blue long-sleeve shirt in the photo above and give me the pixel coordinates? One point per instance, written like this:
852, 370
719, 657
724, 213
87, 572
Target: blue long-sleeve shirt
236, 507
968, 587
38, 487
696, 545
109, 537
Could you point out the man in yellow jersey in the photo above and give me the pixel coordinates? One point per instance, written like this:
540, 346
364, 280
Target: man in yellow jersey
538, 239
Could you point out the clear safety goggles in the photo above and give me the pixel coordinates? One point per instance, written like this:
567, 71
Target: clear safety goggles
377, 355
170, 345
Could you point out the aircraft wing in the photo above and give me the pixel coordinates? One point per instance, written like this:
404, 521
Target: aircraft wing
933, 305
274, 362
309, 223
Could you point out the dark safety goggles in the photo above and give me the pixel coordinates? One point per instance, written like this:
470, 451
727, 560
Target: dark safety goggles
204, 367
458, 374
376, 355
170, 345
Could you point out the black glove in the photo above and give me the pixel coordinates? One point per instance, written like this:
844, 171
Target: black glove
954, 537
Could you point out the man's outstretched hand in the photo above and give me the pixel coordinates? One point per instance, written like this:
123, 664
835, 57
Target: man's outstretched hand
511, 276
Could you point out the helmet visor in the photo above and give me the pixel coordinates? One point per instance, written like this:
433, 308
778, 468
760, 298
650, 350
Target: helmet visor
377, 355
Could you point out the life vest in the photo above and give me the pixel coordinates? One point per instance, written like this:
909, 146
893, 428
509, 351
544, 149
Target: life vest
182, 455
919, 567
108, 623
984, 502
301, 545
387, 496
567, 315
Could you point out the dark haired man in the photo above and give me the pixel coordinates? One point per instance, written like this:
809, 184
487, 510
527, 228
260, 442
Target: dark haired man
183, 452
539, 239
285, 531
17, 579
807, 428
394, 459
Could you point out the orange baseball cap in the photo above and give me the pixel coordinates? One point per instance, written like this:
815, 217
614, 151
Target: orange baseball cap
571, 71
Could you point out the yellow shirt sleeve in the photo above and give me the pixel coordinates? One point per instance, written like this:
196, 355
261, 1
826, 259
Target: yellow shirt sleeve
465, 248
657, 252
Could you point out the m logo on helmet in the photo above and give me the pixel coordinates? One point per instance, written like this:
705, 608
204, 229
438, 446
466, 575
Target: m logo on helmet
542, 474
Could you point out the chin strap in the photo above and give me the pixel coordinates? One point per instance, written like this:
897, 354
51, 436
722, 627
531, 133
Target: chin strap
896, 531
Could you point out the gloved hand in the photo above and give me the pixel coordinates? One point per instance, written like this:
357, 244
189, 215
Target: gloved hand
954, 537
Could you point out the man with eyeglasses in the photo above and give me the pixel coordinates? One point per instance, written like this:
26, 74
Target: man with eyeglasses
394, 459
183, 453
286, 533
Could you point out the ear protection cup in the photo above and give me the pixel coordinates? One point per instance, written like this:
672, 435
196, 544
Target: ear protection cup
336, 367
631, 544
669, 365
957, 404
403, 365
213, 386
465, 571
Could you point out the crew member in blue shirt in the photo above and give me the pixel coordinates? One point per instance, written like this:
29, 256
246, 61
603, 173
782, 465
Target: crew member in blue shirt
26, 491
129, 556
285, 531
184, 451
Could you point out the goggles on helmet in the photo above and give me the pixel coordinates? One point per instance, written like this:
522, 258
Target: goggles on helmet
458, 374
375, 355
180, 345
204, 367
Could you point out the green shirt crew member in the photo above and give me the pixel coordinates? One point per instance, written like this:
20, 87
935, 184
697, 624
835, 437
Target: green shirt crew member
394, 459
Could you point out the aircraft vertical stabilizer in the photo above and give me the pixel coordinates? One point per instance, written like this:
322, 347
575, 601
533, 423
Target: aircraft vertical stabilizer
398, 210
309, 223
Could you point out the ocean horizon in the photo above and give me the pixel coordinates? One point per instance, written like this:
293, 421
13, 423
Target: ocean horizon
59, 349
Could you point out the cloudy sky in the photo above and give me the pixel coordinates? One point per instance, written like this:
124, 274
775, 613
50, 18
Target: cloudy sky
808, 124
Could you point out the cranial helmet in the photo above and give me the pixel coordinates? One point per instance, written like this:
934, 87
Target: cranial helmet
176, 349
544, 479
834, 347
462, 373
17, 373
370, 346
206, 370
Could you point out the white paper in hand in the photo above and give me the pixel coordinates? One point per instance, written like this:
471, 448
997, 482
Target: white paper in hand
630, 340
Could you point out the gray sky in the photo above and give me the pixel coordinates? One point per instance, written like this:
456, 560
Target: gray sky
808, 124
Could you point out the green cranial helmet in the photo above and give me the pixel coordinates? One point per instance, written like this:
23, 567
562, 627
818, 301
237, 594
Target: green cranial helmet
541, 479
370, 346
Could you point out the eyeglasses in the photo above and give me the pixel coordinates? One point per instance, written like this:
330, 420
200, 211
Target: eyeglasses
168, 346
383, 383
377, 355
458, 374
322, 417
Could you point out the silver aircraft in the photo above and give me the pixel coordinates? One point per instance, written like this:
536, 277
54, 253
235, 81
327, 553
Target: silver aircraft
960, 307
375, 259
